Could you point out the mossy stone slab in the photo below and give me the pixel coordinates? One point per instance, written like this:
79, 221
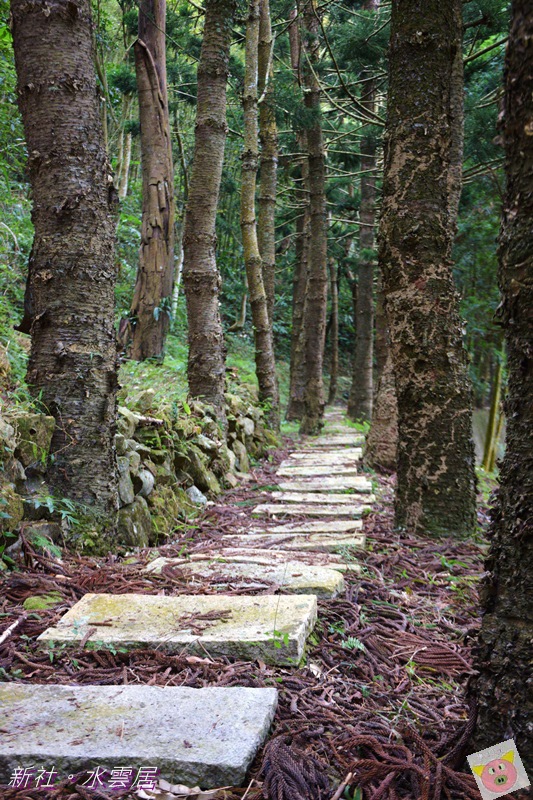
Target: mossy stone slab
197, 737
271, 557
335, 440
303, 509
314, 470
322, 498
292, 577
338, 483
316, 526
239, 627
321, 542
342, 456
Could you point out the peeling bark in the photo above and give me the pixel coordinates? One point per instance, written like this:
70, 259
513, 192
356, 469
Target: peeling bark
436, 479
265, 365
152, 297
504, 654
201, 278
73, 360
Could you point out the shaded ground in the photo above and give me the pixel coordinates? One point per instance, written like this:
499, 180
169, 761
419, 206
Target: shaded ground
384, 679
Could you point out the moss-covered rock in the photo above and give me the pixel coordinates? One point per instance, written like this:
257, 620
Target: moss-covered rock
134, 524
241, 455
38, 602
11, 508
34, 436
169, 506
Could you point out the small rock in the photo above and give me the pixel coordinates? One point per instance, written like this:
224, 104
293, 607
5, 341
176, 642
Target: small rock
12, 508
243, 462
247, 426
144, 401
144, 482
136, 447
120, 445
134, 524
205, 444
196, 496
127, 422
135, 463
231, 480
125, 485
34, 435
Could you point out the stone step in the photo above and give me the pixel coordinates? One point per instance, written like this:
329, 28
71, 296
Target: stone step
293, 577
271, 557
334, 440
328, 542
344, 455
197, 737
303, 509
316, 526
308, 471
327, 499
338, 483
246, 629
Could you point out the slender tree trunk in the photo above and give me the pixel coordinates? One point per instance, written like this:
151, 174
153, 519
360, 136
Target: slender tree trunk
296, 404
505, 652
265, 365
362, 389
314, 320
493, 418
436, 479
268, 135
152, 298
124, 154
201, 278
382, 440
334, 332
73, 360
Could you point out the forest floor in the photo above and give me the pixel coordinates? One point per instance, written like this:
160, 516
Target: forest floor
384, 680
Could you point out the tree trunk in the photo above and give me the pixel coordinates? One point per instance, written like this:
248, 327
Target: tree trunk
334, 332
152, 298
492, 424
314, 320
265, 365
382, 343
268, 135
382, 440
296, 404
504, 653
361, 392
73, 359
436, 479
201, 278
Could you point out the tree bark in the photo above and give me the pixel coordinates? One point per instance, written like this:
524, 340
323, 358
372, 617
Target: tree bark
314, 319
73, 359
504, 652
268, 136
201, 278
265, 365
152, 297
334, 331
436, 479
382, 439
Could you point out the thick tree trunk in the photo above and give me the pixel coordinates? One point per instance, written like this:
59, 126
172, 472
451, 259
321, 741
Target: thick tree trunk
361, 393
152, 298
314, 320
268, 136
265, 365
436, 480
73, 362
201, 278
381, 346
334, 331
505, 652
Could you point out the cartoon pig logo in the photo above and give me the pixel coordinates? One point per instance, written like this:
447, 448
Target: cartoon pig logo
498, 775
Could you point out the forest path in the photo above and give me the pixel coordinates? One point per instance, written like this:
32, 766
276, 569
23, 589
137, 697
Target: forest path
206, 736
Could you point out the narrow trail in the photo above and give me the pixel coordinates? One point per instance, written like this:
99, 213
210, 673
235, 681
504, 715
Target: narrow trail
306, 621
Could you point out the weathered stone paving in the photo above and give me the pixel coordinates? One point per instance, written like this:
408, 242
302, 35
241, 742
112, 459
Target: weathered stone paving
240, 627
205, 737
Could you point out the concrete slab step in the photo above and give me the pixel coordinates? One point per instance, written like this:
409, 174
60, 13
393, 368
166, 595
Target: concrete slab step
273, 557
310, 471
293, 577
346, 454
304, 509
328, 542
319, 497
316, 526
334, 440
197, 737
237, 626
337, 483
